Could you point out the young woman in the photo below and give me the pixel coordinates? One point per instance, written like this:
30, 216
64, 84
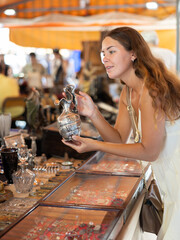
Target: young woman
154, 93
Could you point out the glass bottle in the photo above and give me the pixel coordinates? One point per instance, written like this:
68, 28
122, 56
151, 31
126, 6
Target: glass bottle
69, 123
23, 179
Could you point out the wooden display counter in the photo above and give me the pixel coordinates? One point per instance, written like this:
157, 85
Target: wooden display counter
95, 201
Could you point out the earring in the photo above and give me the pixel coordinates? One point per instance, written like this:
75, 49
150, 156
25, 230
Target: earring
132, 59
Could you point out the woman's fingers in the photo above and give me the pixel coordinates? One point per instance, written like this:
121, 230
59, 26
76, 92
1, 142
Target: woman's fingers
75, 144
77, 138
80, 144
71, 143
83, 94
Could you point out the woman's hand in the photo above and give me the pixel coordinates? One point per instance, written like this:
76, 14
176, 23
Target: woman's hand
85, 105
82, 145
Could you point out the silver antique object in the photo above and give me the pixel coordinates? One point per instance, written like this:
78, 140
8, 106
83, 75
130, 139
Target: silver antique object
71, 89
69, 122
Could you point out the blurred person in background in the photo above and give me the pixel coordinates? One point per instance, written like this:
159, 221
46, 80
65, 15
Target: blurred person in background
4, 68
166, 55
58, 72
34, 72
9, 88
57, 67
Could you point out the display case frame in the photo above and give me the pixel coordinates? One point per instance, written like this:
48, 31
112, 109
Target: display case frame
80, 189
100, 164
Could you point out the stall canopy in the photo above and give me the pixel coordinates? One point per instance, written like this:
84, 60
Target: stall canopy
36, 8
65, 24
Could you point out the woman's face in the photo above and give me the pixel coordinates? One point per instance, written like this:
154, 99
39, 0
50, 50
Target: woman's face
116, 59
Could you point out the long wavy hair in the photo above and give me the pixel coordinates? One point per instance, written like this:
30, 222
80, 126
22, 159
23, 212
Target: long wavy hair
162, 84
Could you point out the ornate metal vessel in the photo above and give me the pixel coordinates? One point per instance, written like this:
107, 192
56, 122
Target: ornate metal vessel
69, 122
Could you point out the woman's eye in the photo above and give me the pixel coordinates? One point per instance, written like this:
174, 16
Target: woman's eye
111, 52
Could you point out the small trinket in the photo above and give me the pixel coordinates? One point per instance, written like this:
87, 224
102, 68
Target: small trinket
91, 224
117, 202
97, 229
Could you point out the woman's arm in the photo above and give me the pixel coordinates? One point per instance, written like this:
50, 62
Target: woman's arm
153, 135
118, 133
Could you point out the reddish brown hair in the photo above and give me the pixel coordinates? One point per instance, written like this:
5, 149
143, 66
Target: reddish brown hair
163, 86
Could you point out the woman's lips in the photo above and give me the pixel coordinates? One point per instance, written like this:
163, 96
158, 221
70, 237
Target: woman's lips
108, 68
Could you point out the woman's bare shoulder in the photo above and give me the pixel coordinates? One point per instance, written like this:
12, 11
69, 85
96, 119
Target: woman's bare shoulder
146, 99
145, 94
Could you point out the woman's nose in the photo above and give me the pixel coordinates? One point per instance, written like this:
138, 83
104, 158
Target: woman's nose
105, 59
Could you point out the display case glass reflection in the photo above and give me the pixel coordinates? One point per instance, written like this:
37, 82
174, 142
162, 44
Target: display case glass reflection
96, 190
47, 222
110, 163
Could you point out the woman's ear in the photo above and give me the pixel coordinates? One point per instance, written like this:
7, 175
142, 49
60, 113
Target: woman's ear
133, 57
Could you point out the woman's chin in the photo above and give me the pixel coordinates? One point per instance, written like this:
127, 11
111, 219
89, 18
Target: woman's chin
110, 75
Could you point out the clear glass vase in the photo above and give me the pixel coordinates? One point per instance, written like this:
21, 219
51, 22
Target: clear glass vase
23, 179
69, 123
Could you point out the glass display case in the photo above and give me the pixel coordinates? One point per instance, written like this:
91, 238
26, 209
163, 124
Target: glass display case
91, 201
113, 164
102, 191
12, 209
52, 223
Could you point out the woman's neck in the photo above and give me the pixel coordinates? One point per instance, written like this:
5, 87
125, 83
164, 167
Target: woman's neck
136, 85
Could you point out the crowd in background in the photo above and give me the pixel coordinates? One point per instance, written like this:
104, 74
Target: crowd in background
50, 71
53, 71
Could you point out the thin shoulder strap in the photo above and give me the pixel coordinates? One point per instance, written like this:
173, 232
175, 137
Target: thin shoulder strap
132, 115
